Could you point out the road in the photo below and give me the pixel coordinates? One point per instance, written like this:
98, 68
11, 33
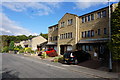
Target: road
19, 66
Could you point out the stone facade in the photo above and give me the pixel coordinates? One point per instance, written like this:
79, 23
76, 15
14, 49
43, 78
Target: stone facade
88, 32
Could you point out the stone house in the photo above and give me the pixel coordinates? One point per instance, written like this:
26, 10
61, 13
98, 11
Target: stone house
89, 32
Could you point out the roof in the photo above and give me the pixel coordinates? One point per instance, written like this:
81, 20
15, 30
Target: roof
72, 14
53, 26
96, 10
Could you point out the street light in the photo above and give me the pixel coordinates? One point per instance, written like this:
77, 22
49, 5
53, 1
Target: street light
110, 55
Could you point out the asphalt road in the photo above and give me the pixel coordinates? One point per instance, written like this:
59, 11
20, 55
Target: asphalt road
19, 66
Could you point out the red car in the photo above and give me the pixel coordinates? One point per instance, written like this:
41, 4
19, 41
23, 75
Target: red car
51, 52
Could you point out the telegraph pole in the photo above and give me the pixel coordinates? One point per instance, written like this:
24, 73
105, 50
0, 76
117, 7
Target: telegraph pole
110, 55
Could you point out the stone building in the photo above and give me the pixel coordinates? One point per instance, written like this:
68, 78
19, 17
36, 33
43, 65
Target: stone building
89, 32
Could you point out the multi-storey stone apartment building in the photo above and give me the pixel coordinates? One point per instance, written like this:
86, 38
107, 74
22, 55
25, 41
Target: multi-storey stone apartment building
89, 32
53, 37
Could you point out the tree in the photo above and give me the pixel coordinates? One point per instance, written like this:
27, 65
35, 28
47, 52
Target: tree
115, 28
11, 46
44, 35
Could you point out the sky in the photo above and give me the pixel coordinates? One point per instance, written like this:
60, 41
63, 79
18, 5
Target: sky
33, 18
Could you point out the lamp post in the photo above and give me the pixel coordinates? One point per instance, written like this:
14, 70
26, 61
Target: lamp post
110, 55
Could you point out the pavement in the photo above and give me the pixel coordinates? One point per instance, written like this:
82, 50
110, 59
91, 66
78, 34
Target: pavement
33, 67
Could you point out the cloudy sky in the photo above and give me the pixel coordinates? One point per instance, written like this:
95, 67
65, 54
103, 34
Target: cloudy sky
32, 18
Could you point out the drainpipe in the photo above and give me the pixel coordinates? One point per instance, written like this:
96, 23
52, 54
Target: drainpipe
110, 55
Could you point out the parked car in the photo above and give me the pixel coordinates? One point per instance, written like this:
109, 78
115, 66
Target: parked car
76, 56
69, 58
50, 52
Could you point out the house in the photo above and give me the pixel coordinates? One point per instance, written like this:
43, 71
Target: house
35, 43
89, 32
53, 37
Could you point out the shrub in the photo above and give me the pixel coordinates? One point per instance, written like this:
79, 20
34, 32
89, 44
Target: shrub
21, 50
5, 49
29, 50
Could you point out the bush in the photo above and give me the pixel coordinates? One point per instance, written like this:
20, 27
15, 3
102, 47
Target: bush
44, 55
5, 49
21, 50
29, 50
58, 59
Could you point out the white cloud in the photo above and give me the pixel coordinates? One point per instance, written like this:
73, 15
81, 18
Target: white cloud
36, 8
9, 27
84, 4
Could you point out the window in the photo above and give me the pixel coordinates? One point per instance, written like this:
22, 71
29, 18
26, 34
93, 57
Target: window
82, 34
105, 31
104, 13
70, 21
50, 38
62, 36
90, 48
83, 47
56, 28
99, 14
83, 19
85, 33
92, 16
88, 33
62, 24
88, 17
71, 35
87, 48
66, 35
98, 31
92, 33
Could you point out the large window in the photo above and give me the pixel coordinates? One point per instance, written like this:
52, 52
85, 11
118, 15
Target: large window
92, 16
104, 13
99, 14
70, 21
92, 33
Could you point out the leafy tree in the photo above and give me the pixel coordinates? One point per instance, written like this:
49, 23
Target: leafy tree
115, 27
11, 46
115, 20
44, 35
